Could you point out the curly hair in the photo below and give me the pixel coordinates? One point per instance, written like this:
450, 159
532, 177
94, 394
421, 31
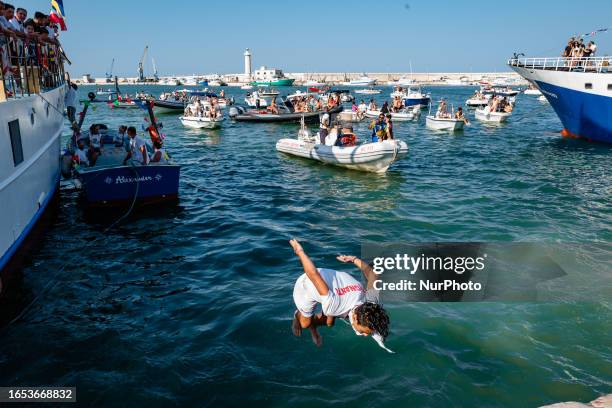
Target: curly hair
373, 316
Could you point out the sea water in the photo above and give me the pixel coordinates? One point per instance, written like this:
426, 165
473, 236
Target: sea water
191, 305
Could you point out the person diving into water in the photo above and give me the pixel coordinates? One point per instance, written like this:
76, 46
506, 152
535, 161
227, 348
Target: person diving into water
340, 296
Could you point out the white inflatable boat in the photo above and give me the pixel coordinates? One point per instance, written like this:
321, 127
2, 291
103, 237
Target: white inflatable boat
373, 157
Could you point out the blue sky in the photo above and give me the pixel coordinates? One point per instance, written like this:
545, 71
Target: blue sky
188, 37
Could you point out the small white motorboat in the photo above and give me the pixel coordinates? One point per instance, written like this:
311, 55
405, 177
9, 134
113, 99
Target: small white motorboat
444, 123
477, 102
532, 91
405, 115
373, 157
202, 122
485, 115
368, 91
256, 100
362, 81
311, 83
101, 91
246, 87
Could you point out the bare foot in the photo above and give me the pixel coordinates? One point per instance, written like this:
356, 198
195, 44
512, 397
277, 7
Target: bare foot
316, 337
296, 327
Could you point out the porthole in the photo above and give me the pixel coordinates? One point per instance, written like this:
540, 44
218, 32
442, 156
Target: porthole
609, 87
588, 85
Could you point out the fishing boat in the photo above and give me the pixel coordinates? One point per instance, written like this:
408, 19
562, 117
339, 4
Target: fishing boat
373, 157
403, 82
276, 78
246, 87
361, 81
268, 92
404, 115
368, 91
415, 96
110, 182
486, 115
29, 145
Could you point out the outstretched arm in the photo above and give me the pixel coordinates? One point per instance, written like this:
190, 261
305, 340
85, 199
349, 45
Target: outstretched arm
309, 268
365, 268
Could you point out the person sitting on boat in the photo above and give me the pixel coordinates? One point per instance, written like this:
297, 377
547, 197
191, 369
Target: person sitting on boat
159, 156
459, 115
222, 93
378, 128
385, 108
354, 107
340, 296
442, 110
324, 124
388, 134
363, 107
120, 138
273, 108
372, 106
138, 149
319, 105
80, 155
397, 104
95, 144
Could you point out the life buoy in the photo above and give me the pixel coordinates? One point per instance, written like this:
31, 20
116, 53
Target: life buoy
348, 139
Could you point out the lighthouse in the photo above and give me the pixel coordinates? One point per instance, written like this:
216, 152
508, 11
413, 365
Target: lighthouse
247, 64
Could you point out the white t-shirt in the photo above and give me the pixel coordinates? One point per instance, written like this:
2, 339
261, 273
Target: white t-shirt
135, 145
94, 139
82, 155
362, 107
345, 293
324, 121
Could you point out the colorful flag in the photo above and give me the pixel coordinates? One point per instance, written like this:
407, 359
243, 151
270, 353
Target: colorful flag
57, 15
58, 6
55, 19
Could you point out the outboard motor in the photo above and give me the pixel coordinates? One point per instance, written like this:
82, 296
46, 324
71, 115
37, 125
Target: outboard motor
235, 111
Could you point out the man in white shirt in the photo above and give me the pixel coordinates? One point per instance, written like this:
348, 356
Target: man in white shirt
21, 15
138, 148
70, 101
324, 125
81, 154
340, 295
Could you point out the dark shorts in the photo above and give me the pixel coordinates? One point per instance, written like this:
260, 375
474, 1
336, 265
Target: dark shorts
323, 134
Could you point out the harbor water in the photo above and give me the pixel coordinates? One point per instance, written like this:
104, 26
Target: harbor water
191, 305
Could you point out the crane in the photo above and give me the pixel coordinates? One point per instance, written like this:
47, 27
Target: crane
109, 74
141, 76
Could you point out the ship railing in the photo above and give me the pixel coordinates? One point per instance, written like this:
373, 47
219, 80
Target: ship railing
573, 64
29, 66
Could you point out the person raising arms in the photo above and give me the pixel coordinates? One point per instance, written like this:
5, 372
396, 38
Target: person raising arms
340, 296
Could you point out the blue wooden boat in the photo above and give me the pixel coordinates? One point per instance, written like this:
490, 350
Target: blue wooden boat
111, 183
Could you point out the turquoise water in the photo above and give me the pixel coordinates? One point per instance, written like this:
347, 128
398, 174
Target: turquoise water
191, 305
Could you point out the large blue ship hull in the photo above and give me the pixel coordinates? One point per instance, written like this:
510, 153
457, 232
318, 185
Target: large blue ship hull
583, 115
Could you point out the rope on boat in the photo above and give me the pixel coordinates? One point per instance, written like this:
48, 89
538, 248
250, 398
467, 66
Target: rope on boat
53, 281
53, 106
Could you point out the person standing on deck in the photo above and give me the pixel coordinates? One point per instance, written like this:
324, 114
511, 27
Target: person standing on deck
340, 296
324, 124
70, 101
